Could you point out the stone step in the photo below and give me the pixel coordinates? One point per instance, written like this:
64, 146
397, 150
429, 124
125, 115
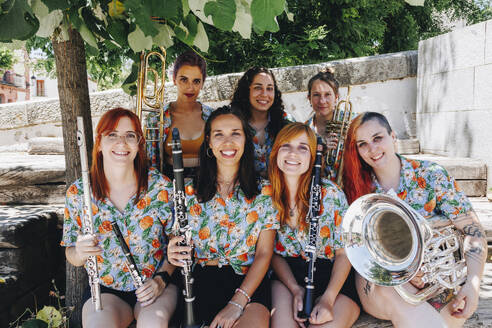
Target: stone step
21, 169
408, 146
470, 174
45, 146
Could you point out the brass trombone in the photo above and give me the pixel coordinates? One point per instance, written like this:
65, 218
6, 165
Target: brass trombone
153, 127
339, 125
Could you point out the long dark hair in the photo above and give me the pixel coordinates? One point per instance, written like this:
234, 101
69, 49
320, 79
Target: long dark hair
240, 99
206, 180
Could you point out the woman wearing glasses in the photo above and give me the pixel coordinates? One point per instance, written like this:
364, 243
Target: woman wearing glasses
127, 193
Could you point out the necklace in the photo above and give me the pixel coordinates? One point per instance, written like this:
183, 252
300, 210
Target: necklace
226, 187
292, 209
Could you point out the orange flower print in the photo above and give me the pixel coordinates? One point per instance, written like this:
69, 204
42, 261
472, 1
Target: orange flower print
243, 257
196, 210
79, 223
66, 213
321, 209
266, 190
108, 279
224, 223
324, 232
72, 191
252, 217
279, 247
415, 164
456, 186
189, 190
212, 250
244, 269
158, 255
255, 139
323, 192
328, 251
430, 205
204, 233
156, 243
421, 182
268, 225
147, 272
249, 200
105, 227
338, 218
99, 259
290, 237
143, 203
221, 201
95, 209
163, 196
403, 195
251, 240
231, 225
146, 222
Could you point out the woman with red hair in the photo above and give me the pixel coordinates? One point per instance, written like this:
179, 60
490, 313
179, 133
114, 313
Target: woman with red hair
290, 172
127, 193
372, 165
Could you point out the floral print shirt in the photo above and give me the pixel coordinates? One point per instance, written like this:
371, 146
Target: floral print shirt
143, 226
152, 120
428, 189
227, 229
292, 242
262, 151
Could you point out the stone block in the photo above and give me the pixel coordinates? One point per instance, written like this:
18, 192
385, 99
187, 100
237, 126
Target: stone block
448, 91
408, 146
458, 167
473, 188
12, 116
17, 232
488, 42
21, 169
482, 97
45, 146
38, 194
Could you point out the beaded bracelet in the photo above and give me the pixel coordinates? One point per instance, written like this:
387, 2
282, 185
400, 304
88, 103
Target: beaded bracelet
237, 305
239, 290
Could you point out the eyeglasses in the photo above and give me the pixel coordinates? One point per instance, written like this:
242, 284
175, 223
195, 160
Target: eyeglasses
131, 138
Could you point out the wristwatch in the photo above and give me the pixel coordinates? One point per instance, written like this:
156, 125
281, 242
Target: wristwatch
164, 276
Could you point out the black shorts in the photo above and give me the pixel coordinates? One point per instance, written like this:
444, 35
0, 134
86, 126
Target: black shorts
322, 276
128, 297
214, 287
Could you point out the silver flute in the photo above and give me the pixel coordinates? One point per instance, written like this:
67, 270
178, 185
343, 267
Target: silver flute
138, 281
87, 222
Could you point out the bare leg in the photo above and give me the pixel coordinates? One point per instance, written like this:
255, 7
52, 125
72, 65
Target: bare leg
158, 313
451, 322
254, 315
385, 303
282, 316
345, 313
116, 313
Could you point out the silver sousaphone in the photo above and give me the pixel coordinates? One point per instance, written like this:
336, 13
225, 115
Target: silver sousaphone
388, 242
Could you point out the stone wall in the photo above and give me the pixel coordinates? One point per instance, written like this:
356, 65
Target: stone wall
384, 83
454, 93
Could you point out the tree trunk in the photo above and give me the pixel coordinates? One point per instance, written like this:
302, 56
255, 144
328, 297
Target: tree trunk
73, 93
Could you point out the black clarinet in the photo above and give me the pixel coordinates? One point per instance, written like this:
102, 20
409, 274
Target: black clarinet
130, 261
313, 218
181, 228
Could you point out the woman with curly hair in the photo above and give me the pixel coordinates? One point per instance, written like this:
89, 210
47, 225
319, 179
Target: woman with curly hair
260, 101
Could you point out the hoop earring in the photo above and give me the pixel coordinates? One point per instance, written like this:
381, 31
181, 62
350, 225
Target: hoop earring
208, 154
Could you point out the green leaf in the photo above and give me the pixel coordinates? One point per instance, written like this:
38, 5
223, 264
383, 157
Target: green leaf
265, 14
196, 7
118, 29
186, 7
138, 41
48, 21
201, 38
141, 12
34, 323
244, 21
187, 30
56, 4
50, 315
165, 36
19, 23
87, 35
165, 8
223, 13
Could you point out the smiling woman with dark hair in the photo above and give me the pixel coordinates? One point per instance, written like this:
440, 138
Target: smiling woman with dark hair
259, 99
233, 226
